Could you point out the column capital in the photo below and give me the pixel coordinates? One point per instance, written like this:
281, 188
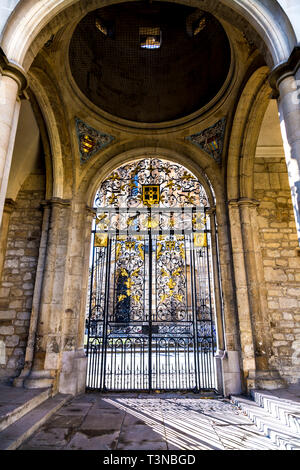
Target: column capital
211, 210
91, 211
14, 71
284, 70
243, 201
57, 201
9, 206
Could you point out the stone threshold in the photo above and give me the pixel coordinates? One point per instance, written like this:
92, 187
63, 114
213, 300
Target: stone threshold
16, 402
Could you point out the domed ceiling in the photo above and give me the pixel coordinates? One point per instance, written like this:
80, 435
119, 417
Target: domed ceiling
149, 62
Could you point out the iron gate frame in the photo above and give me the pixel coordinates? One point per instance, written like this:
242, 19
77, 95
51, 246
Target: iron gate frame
99, 344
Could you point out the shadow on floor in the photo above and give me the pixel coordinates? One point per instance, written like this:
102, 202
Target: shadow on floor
143, 422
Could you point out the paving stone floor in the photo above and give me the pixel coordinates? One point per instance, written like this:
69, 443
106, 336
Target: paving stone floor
148, 422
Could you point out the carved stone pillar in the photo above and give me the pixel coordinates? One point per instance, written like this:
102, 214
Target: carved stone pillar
218, 302
90, 214
72, 378
228, 356
251, 296
36, 301
12, 83
7, 211
265, 377
241, 289
48, 339
285, 81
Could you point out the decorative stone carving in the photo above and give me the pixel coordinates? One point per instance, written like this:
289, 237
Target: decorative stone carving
211, 139
90, 140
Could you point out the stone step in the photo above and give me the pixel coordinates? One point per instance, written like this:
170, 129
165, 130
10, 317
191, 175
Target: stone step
287, 411
15, 434
280, 434
22, 403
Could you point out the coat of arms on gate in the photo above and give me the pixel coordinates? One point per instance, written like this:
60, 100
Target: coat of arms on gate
211, 139
151, 194
90, 140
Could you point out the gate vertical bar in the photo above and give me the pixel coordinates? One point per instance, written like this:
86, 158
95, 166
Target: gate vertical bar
90, 311
194, 313
150, 305
105, 313
212, 373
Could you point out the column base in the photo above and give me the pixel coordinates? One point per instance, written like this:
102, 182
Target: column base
232, 384
219, 373
265, 380
38, 379
72, 378
19, 381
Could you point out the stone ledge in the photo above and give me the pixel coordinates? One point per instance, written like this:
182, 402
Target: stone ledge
14, 435
22, 403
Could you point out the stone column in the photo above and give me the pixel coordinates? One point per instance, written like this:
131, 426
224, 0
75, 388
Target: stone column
90, 214
216, 280
12, 83
264, 377
36, 301
7, 210
285, 81
230, 357
218, 302
48, 339
72, 375
241, 289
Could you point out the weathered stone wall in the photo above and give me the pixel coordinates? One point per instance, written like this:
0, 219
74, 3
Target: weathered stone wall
18, 276
278, 238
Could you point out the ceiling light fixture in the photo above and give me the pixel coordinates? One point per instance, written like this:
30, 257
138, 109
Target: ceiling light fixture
150, 38
101, 26
199, 25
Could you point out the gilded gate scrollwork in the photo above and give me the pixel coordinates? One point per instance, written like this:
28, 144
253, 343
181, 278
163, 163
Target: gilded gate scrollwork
151, 312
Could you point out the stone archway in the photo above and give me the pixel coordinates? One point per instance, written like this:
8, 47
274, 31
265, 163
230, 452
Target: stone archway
22, 39
59, 348
20, 33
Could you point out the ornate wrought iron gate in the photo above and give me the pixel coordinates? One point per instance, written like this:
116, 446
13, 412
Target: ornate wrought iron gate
150, 324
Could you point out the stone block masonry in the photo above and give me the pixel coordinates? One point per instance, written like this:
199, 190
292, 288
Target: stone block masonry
18, 275
278, 239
